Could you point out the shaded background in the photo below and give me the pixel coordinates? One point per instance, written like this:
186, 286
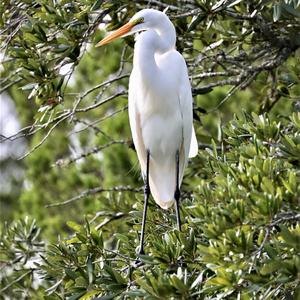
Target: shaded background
67, 153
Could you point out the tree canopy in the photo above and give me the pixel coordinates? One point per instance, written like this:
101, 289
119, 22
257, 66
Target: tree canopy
71, 208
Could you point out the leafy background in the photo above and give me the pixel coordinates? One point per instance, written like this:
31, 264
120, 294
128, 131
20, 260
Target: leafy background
72, 204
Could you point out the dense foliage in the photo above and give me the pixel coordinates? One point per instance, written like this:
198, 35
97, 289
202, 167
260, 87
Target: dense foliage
80, 182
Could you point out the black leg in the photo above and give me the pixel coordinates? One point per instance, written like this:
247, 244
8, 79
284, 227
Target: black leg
177, 193
146, 197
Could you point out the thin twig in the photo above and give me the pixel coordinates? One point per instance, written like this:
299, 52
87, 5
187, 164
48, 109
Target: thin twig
15, 281
94, 191
97, 104
289, 216
68, 161
43, 140
92, 124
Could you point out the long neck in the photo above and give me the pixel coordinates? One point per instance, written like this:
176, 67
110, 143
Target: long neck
151, 42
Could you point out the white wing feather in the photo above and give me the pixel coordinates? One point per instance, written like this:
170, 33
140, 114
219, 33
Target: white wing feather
151, 131
194, 145
186, 103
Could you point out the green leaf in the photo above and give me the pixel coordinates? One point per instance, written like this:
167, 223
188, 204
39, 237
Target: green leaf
291, 10
276, 12
29, 86
219, 281
178, 283
71, 274
114, 275
77, 296
147, 259
291, 238
90, 269
267, 185
31, 37
198, 280
76, 227
135, 293
97, 4
271, 267
109, 296
89, 295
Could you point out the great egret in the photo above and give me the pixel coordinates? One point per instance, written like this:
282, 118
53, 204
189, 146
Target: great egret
160, 108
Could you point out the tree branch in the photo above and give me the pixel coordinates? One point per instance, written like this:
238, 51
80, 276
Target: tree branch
96, 191
68, 161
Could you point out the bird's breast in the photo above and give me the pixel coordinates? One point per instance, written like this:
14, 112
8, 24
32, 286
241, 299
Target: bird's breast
156, 96
161, 122
162, 135
156, 100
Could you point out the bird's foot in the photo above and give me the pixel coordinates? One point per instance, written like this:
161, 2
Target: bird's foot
181, 262
147, 189
138, 262
177, 194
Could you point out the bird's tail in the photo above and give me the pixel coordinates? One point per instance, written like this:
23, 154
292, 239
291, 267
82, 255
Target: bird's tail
162, 180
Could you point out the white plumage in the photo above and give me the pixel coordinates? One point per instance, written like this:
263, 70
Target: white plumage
160, 102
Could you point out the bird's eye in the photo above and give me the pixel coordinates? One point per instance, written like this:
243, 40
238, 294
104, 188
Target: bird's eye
139, 21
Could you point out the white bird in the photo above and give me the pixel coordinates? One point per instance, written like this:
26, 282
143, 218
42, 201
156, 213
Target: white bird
160, 107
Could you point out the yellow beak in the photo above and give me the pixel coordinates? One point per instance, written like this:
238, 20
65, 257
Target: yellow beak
118, 33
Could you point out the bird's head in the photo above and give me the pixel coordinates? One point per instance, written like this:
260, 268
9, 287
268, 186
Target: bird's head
141, 21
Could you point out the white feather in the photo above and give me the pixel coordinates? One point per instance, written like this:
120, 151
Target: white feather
160, 106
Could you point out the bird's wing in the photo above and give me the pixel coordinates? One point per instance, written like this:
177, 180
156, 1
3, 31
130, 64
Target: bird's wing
194, 145
135, 125
186, 104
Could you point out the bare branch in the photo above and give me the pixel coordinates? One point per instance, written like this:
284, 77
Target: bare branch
44, 138
94, 191
107, 82
97, 104
284, 217
92, 124
16, 280
66, 162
